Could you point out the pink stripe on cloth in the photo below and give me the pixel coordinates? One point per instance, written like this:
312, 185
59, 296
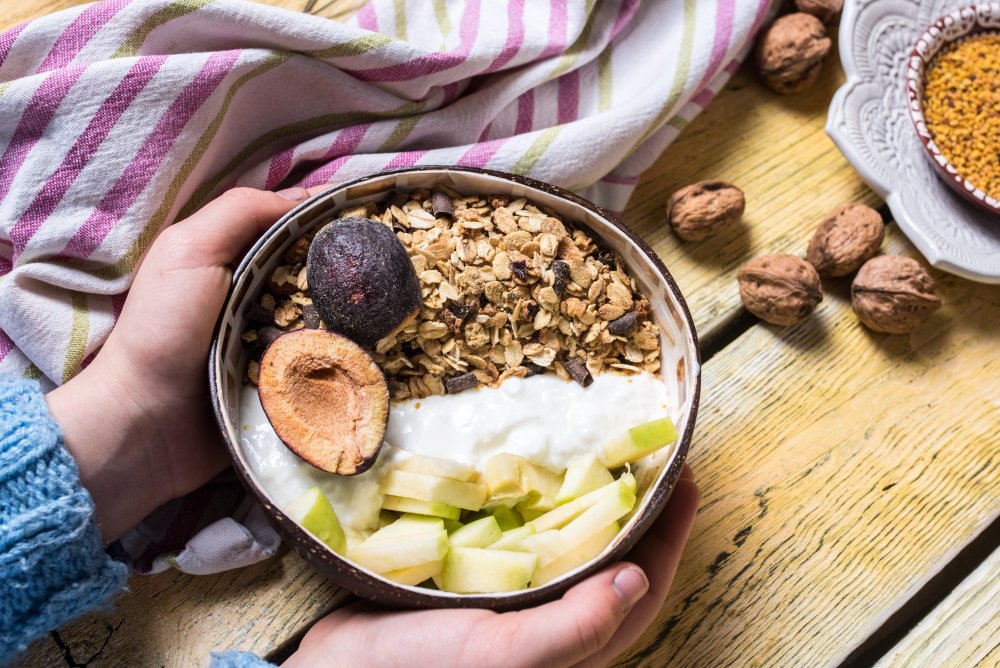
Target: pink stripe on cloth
762, 8
79, 32
34, 120
484, 135
703, 97
621, 180
6, 345
347, 140
434, 62
625, 15
569, 97
83, 150
725, 11
405, 159
7, 40
733, 66
280, 166
525, 112
480, 154
5, 266
558, 25
367, 18
515, 36
146, 162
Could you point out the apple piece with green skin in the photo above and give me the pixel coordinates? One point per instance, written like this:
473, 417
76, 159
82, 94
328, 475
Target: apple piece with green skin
565, 513
583, 553
584, 474
507, 519
443, 468
423, 487
471, 570
618, 501
480, 533
637, 442
414, 575
313, 511
403, 544
512, 539
546, 544
513, 480
404, 505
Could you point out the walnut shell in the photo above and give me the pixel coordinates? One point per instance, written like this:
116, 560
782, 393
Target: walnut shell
825, 10
894, 294
781, 289
846, 239
703, 209
790, 53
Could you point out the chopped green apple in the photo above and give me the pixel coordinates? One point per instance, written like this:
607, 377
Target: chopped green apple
547, 545
401, 546
573, 558
506, 518
424, 487
617, 502
414, 575
403, 505
584, 474
470, 570
443, 468
512, 479
637, 442
511, 539
313, 511
568, 511
480, 533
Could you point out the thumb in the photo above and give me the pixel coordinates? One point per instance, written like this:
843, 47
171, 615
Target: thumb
582, 622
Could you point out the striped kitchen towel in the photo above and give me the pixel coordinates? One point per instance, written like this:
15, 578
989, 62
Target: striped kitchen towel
119, 118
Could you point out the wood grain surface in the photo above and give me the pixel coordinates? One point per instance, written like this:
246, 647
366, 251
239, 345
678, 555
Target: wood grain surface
964, 630
840, 469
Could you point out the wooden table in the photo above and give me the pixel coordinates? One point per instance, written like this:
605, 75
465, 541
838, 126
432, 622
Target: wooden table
850, 480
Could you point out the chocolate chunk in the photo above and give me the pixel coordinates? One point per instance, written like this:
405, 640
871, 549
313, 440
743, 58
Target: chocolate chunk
441, 204
310, 316
531, 309
533, 369
397, 198
625, 325
460, 310
578, 369
520, 269
560, 270
259, 315
457, 384
265, 337
607, 258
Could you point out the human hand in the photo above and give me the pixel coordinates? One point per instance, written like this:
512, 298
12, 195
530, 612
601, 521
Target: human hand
589, 626
138, 420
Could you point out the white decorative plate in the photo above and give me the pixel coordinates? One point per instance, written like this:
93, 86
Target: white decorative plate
869, 122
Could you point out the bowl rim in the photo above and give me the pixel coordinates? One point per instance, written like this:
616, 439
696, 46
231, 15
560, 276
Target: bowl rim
359, 581
930, 38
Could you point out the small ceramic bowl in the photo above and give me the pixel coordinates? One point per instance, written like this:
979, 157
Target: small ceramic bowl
950, 28
656, 475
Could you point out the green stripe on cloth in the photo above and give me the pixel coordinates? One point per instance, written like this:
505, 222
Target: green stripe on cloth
32, 372
354, 47
678, 123
604, 81
130, 259
400, 11
570, 56
400, 133
78, 335
176, 9
536, 150
441, 14
4, 86
680, 75
326, 121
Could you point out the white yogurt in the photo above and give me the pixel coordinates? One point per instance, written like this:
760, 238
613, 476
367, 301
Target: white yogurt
546, 420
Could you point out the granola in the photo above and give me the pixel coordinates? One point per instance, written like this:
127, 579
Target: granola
509, 289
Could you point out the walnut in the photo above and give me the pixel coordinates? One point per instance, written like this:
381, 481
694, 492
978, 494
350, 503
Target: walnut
845, 240
825, 10
781, 289
790, 52
702, 210
894, 294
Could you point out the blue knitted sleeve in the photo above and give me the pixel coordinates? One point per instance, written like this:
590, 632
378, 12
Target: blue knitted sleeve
234, 659
52, 565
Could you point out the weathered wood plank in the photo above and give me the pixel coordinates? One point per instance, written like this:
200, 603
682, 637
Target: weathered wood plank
840, 470
963, 630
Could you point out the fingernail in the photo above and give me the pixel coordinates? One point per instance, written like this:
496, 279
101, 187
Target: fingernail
293, 194
631, 584
687, 473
